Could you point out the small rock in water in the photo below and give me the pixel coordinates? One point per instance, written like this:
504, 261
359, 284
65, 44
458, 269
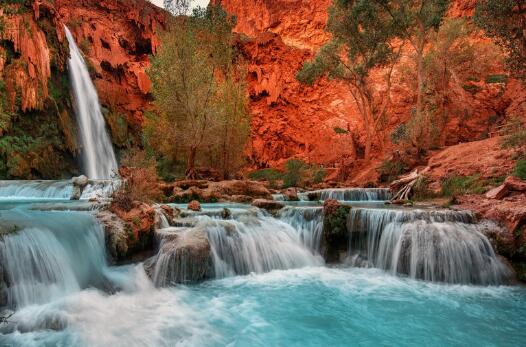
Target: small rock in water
226, 214
79, 183
194, 205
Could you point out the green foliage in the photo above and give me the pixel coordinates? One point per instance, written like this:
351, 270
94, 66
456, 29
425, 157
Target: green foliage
390, 170
496, 79
520, 169
400, 134
340, 131
460, 185
421, 190
202, 102
503, 21
318, 174
294, 175
266, 175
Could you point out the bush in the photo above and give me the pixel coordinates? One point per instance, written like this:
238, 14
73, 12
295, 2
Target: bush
390, 170
318, 174
520, 169
496, 79
140, 181
460, 185
295, 172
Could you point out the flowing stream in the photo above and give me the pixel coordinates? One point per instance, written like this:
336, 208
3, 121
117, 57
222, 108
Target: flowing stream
411, 276
97, 152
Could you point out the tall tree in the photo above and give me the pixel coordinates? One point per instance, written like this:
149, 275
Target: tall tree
417, 20
362, 40
193, 77
505, 22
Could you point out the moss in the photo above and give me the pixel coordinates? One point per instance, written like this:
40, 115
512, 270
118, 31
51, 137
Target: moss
335, 234
496, 79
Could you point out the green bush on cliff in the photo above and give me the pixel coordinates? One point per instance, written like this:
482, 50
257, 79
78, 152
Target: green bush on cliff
460, 185
294, 176
520, 169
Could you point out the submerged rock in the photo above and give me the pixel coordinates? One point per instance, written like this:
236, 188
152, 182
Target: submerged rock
335, 237
184, 257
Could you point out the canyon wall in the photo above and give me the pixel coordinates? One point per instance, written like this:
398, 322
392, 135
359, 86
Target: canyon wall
294, 120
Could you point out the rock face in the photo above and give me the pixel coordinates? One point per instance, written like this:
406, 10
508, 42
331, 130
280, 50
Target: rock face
293, 120
184, 257
269, 205
117, 37
128, 233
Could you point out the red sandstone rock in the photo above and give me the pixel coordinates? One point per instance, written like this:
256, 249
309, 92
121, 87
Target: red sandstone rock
194, 205
498, 192
270, 205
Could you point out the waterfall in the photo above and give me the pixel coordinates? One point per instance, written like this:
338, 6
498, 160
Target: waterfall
308, 223
48, 255
256, 244
348, 194
13, 190
443, 246
97, 151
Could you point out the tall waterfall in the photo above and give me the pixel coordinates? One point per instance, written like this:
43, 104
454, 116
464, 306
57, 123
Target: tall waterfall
443, 246
97, 151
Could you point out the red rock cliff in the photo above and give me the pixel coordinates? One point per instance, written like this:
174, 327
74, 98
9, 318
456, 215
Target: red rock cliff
292, 120
117, 37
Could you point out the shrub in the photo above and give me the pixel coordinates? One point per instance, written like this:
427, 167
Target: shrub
295, 172
390, 170
520, 169
140, 181
318, 174
460, 185
496, 79
340, 131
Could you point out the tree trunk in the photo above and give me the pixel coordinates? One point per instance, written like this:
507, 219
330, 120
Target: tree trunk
190, 165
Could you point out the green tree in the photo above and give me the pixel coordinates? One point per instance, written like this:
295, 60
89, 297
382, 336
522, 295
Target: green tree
452, 61
362, 40
505, 22
198, 93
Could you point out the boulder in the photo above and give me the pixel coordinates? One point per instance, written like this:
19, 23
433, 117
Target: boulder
515, 184
498, 193
184, 257
335, 237
194, 205
291, 194
269, 205
79, 183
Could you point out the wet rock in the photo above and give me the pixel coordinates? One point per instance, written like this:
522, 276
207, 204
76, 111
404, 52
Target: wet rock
128, 233
79, 183
184, 257
226, 213
115, 235
269, 205
3, 285
194, 206
335, 237
291, 194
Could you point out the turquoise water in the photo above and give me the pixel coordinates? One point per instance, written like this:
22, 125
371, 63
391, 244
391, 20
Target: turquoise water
303, 307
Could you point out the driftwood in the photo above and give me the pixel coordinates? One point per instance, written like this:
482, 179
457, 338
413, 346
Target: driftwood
403, 187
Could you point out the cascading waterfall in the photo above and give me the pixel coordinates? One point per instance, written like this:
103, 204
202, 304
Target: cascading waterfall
256, 244
97, 151
308, 223
443, 246
13, 190
48, 255
348, 194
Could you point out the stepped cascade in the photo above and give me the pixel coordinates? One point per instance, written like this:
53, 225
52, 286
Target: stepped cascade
445, 246
97, 152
